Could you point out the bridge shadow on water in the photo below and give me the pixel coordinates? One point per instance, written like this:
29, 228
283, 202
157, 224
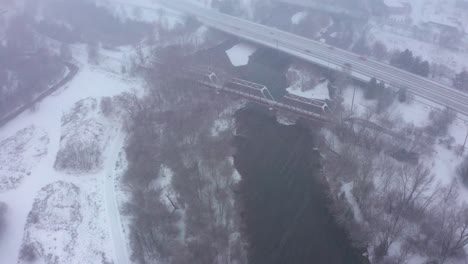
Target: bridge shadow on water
284, 201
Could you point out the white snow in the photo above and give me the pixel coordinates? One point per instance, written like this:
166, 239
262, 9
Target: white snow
239, 54
320, 91
219, 126
346, 189
297, 18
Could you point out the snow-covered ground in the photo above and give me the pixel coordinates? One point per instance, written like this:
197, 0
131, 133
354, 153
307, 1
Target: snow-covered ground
33, 141
19, 154
298, 17
239, 55
443, 162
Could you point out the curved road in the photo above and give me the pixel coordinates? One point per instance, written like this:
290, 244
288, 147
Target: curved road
360, 68
73, 70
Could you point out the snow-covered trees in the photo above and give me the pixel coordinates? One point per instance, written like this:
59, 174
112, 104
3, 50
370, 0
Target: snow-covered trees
402, 209
179, 172
440, 122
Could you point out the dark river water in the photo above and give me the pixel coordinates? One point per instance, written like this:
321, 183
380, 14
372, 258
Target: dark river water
285, 204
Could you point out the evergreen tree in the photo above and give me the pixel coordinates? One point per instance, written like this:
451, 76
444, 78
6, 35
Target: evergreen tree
461, 81
371, 89
402, 96
424, 69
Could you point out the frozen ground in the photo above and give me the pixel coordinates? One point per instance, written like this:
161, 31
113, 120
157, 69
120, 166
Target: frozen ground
90, 82
239, 54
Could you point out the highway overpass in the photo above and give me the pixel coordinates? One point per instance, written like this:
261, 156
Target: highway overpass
321, 54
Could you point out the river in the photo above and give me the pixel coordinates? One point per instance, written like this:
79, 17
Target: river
284, 202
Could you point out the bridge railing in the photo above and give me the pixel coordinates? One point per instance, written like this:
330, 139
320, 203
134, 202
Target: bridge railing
311, 108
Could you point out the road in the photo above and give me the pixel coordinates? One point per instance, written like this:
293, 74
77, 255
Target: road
72, 71
318, 53
118, 237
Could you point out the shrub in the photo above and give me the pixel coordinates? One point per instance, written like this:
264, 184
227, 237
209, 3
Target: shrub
79, 156
28, 253
106, 106
440, 122
402, 95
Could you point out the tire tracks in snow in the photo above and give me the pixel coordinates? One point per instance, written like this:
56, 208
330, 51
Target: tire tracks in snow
118, 237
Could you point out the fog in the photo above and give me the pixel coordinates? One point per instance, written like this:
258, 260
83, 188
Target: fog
232, 132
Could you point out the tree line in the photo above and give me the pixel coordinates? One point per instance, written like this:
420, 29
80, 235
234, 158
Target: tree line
27, 65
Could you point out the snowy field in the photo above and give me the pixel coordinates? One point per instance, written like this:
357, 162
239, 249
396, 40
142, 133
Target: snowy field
31, 143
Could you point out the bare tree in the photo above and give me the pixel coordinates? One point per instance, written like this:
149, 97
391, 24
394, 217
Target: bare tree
446, 228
